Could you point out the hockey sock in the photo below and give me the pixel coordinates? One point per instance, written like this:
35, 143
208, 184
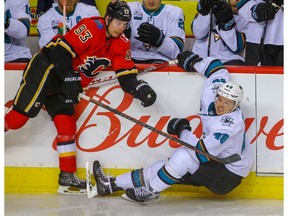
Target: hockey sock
166, 177
66, 147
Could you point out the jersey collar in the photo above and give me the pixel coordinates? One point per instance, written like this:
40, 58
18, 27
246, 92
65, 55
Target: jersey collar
153, 13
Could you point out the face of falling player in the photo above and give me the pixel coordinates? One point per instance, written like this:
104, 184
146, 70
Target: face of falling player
224, 105
115, 27
70, 5
152, 5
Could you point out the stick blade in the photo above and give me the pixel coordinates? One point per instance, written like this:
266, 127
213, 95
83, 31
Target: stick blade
230, 159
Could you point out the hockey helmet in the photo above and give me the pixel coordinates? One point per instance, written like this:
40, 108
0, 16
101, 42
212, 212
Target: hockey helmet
119, 10
231, 91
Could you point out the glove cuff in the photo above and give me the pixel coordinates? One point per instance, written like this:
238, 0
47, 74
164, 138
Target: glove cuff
183, 127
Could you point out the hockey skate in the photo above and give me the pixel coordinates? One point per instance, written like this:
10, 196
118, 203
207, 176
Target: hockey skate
105, 184
140, 195
70, 183
91, 189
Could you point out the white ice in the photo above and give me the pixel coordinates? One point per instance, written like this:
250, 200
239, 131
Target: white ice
57, 204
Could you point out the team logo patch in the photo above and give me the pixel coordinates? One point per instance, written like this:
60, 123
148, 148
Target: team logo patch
99, 24
227, 121
92, 65
138, 15
216, 37
146, 46
37, 104
128, 55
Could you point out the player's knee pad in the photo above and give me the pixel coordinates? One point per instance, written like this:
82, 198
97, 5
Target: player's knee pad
58, 104
15, 120
66, 127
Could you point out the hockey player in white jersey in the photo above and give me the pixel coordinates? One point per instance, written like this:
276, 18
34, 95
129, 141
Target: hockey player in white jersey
264, 30
51, 22
219, 36
17, 19
157, 31
223, 135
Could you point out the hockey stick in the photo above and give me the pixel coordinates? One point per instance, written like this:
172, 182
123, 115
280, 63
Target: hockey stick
261, 50
64, 17
230, 159
151, 68
210, 33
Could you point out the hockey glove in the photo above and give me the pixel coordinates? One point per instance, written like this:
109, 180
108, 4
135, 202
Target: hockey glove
263, 12
150, 34
224, 15
71, 86
6, 20
203, 7
187, 59
177, 125
144, 93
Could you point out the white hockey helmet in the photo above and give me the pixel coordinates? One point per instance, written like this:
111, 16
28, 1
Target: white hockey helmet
231, 91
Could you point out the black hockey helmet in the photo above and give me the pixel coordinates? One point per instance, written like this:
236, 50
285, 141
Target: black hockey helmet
119, 10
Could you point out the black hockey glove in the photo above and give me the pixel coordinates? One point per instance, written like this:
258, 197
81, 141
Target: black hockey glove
203, 7
61, 58
71, 86
144, 93
224, 15
6, 20
263, 12
150, 34
187, 59
177, 125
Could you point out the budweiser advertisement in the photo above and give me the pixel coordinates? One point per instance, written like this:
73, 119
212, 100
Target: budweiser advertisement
120, 143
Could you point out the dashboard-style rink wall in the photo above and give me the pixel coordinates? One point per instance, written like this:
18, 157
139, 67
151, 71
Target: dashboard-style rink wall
31, 162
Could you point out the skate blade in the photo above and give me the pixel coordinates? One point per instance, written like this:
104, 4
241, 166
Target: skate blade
125, 197
91, 190
71, 190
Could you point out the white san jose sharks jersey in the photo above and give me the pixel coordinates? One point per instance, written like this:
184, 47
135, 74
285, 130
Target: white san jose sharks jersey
49, 21
18, 30
224, 45
170, 20
274, 34
223, 135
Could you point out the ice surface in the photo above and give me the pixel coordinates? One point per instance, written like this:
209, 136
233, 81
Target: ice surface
57, 204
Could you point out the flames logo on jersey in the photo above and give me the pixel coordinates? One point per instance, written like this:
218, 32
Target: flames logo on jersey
92, 65
227, 121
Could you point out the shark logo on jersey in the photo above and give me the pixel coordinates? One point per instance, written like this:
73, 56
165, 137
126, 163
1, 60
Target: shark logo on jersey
92, 65
227, 121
